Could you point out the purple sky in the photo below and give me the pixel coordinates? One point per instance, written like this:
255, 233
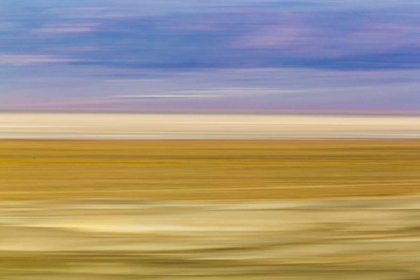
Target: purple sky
247, 56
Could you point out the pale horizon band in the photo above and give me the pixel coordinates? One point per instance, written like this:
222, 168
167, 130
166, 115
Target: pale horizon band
183, 126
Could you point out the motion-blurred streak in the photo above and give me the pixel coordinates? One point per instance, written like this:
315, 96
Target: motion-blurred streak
115, 239
173, 126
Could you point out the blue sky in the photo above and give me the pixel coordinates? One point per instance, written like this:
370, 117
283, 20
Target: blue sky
321, 56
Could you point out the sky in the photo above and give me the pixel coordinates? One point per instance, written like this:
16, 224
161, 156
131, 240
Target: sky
219, 56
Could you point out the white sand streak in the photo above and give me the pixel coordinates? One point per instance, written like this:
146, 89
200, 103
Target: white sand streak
136, 126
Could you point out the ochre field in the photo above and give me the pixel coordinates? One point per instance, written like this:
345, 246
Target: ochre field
208, 170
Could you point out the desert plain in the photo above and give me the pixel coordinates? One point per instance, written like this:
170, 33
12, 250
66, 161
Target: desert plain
223, 208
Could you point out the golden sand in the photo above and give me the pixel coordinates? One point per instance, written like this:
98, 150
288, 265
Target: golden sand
208, 170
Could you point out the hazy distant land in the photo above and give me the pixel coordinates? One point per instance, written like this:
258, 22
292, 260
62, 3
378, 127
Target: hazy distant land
173, 126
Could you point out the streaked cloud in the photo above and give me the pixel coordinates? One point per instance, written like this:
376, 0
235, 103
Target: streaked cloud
163, 96
22, 59
209, 93
237, 54
222, 34
68, 28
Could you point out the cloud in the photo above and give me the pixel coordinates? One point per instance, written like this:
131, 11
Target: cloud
240, 90
210, 93
67, 28
29, 59
307, 40
163, 96
278, 37
221, 34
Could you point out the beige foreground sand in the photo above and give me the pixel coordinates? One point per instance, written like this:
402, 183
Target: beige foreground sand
213, 210
137, 126
360, 238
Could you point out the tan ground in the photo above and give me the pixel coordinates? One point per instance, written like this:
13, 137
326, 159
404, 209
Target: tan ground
208, 170
210, 210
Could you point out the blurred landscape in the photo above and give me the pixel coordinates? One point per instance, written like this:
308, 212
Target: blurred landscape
208, 209
223, 139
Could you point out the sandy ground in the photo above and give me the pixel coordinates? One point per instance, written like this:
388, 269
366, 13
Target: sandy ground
208, 170
359, 238
132, 126
213, 210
